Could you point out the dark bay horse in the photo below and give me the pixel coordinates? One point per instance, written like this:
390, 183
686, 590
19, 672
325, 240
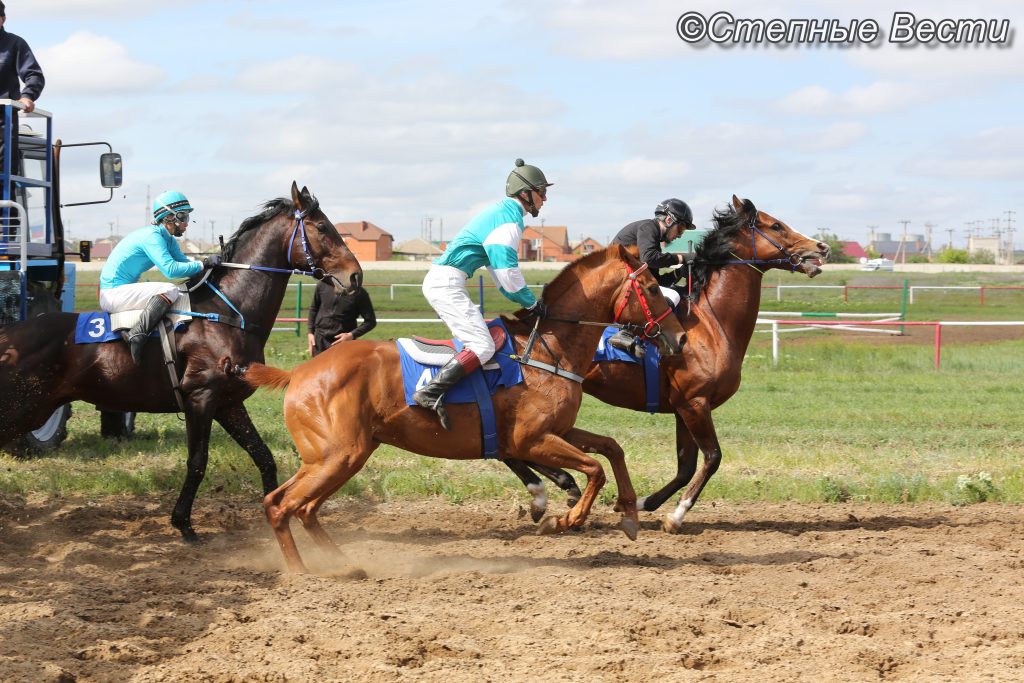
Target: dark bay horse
41, 367
727, 277
348, 400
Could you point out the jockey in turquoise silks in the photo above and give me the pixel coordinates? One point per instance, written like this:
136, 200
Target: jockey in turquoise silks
490, 240
145, 248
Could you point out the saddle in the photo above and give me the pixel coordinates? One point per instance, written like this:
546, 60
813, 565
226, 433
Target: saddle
124, 320
437, 352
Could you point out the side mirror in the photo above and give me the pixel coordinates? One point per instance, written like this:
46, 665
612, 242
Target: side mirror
110, 170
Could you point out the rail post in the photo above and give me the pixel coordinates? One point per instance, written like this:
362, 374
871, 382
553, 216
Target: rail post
938, 343
775, 343
982, 290
903, 308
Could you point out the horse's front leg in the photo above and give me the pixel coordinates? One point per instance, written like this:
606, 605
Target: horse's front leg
235, 420
554, 451
609, 448
697, 415
686, 465
197, 427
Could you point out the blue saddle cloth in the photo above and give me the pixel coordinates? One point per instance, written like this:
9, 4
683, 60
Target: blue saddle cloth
650, 361
94, 327
477, 387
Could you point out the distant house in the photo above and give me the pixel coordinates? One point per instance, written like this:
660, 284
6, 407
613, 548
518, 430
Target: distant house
417, 250
545, 243
367, 241
585, 246
854, 250
101, 248
896, 250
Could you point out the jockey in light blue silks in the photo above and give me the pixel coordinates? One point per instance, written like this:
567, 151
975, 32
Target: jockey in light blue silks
491, 239
153, 245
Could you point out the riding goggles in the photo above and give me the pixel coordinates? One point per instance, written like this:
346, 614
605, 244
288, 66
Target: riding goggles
179, 216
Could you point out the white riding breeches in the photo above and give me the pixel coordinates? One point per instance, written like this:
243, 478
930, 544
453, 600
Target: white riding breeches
672, 296
445, 290
135, 296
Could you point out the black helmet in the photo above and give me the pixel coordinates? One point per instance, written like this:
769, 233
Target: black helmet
678, 209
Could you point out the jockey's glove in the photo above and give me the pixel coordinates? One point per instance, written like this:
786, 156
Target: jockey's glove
211, 261
539, 309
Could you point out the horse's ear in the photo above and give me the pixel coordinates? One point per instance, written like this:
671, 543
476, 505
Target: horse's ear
305, 192
737, 204
296, 197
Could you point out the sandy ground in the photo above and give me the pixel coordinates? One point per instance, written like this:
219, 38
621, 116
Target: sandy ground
104, 591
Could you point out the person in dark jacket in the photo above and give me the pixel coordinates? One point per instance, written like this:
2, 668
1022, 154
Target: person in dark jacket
17, 62
671, 219
333, 317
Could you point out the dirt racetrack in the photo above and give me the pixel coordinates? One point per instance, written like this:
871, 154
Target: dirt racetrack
104, 591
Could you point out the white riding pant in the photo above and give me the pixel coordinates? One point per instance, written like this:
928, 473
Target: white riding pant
135, 296
445, 290
672, 296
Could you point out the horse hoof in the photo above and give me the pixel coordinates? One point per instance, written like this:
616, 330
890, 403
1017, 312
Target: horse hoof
189, 535
537, 512
548, 525
671, 526
630, 527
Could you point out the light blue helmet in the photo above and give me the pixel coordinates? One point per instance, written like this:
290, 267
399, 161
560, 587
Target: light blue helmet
170, 202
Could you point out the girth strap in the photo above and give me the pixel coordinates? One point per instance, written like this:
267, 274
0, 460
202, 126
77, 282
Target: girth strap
170, 357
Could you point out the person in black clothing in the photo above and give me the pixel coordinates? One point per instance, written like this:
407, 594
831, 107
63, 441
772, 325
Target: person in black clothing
332, 317
17, 61
671, 218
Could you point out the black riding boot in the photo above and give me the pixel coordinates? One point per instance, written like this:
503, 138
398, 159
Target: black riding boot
625, 341
147, 322
432, 395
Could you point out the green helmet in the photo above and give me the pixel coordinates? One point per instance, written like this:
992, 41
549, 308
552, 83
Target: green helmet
525, 177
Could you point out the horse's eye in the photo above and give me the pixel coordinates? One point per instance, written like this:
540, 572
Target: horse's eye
776, 227
653, 289
321, 227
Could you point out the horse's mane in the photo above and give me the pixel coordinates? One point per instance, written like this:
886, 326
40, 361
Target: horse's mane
271, 210
717, 247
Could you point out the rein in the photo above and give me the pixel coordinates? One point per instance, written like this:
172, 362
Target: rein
650, 330
314, 271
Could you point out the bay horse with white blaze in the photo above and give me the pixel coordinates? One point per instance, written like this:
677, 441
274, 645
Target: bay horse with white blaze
41, 366
727, 273
345, 402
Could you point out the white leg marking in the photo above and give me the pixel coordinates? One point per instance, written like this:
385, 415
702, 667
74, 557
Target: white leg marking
540, 496
684, 506
640, 503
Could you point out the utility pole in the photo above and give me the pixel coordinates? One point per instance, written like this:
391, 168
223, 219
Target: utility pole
212, 222
1009, 235
928, 244
111, 224
950, 244
901, 251
441, 237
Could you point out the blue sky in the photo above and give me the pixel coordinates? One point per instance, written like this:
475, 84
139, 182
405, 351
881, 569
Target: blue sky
394, 111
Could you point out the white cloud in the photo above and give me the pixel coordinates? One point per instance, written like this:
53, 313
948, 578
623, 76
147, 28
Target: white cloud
89, 64
995, 153
875, 98
834, 137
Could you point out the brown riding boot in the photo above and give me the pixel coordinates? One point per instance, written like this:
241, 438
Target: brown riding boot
151, 316
432, 395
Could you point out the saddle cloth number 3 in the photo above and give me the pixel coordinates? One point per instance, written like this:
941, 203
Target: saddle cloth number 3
99, 328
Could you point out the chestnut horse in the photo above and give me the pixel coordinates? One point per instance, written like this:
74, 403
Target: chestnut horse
727, 274
348, 400
41, 366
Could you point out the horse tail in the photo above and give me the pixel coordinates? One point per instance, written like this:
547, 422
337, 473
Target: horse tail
259, 375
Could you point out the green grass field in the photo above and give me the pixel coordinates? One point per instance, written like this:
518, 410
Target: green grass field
840, 420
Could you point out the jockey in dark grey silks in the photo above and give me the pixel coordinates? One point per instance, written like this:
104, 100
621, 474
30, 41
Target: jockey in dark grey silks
671, 219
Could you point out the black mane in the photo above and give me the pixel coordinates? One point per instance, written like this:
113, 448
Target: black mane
271, 210
717, 247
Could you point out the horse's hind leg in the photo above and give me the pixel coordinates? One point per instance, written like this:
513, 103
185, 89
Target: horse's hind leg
533, 484
562, 480
315, 481
308, 513
686, 465
609, 448
235, 420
